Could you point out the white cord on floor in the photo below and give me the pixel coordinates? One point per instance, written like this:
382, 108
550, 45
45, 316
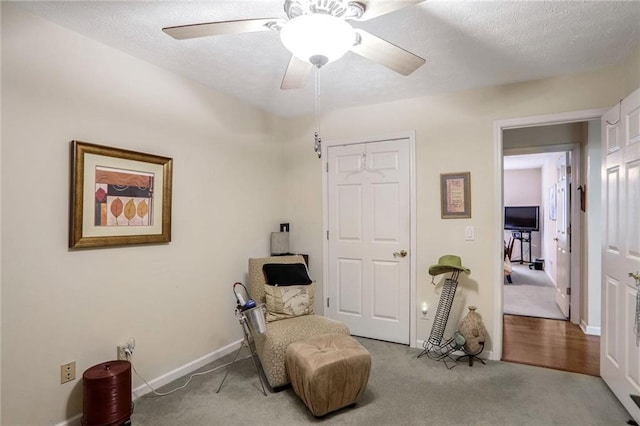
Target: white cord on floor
188, 381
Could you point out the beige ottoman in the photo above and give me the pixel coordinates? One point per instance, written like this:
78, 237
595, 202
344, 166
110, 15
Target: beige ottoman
328, 371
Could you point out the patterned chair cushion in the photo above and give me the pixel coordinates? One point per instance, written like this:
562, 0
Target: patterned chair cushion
289, 301
272, 345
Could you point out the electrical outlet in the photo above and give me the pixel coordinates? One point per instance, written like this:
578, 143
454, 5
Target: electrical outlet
122, 354
424, 311
67, 372
126, 351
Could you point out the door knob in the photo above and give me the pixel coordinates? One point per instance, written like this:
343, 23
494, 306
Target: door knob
402, 253
555, 239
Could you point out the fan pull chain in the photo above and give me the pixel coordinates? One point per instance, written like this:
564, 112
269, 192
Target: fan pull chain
619, 114
317, 146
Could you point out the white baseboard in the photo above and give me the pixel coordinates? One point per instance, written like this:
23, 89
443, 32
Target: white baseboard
169, 377
548, 274
73, 421
185, 369
589, 329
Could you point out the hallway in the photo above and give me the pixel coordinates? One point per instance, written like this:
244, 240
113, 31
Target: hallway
555, 344
530, 294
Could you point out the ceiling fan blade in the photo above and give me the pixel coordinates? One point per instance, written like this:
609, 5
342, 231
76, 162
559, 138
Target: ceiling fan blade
183, 32
386, 53
375, 8
296, 74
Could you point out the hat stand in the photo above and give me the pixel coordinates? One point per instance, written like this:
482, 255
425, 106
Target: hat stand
433, 347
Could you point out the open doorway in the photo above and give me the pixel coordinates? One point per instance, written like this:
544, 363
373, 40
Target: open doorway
568, 169
556, 248
534, 220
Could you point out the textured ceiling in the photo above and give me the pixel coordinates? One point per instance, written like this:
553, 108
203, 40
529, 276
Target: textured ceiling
466, 45
529, 161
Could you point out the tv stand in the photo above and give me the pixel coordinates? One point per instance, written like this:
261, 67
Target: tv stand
525, 239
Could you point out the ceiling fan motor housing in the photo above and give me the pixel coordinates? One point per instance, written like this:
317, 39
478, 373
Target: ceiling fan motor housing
318, 38
338, 8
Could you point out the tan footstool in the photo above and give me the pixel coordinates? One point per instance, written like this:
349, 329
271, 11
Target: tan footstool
328, 372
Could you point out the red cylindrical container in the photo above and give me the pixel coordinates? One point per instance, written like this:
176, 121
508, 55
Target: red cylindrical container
106, 391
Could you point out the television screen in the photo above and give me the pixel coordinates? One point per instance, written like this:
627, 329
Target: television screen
521, 218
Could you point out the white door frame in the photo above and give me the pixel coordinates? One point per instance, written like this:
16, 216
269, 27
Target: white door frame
411, 136
498, 244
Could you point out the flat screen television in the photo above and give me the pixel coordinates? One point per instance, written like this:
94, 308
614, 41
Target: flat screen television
521, 218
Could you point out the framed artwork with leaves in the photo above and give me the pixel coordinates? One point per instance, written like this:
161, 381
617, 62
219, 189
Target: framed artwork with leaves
118, 197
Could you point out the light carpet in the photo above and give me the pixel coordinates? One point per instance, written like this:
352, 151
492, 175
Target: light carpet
532, 294
522, 274
402, 390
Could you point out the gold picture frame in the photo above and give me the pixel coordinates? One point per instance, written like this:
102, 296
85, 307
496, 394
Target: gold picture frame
455, 195
118, 197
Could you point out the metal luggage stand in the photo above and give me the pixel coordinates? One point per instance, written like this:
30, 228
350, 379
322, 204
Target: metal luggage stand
433, 347
245, 342
252, 322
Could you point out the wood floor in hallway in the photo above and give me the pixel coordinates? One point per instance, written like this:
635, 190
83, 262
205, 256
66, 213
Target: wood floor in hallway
555, 344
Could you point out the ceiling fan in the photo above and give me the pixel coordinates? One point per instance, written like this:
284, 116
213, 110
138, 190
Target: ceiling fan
316, 32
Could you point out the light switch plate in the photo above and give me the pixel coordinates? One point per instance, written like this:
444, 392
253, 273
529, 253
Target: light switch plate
469, 233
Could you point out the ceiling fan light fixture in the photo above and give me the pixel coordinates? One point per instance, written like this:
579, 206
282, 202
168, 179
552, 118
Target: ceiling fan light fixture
318, 35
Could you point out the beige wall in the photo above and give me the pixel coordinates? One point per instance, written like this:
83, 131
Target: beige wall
632, 73
524, 139
523, 188
175, 299
454, 132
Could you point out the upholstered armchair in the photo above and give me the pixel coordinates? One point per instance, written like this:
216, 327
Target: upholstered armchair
271, 346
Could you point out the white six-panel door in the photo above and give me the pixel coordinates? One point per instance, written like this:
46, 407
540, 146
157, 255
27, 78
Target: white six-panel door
563, 220
368, 191
619, 352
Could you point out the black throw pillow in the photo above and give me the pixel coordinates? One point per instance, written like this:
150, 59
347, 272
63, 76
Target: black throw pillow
283, 274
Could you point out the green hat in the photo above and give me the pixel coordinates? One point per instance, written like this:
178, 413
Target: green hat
448, 263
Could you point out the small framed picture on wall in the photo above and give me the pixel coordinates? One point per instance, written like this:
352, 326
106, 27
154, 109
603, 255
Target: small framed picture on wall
455, 195
552, 202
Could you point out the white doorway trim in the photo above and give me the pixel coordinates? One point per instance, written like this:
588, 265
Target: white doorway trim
498, 127
411, 137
